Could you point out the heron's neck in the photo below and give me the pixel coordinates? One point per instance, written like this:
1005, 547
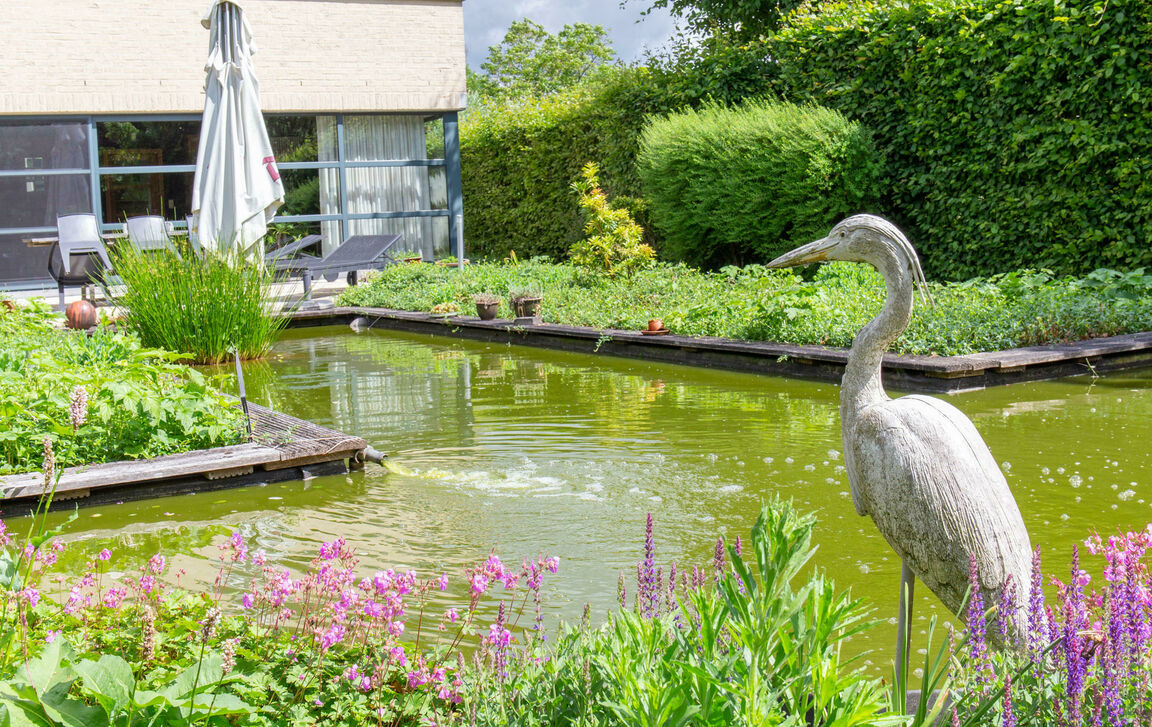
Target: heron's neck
861, 385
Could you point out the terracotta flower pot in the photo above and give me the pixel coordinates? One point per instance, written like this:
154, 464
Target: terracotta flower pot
526, 307
655, 324
487, 311
80, 315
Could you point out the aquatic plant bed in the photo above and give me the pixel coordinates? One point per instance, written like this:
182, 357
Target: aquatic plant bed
935, 374
283, 448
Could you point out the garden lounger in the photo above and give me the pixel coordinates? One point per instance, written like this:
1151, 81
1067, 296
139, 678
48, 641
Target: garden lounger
76, 258
285, 254
359, 252
150, 233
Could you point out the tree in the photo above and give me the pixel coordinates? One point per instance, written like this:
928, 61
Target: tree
739, 19
530, 61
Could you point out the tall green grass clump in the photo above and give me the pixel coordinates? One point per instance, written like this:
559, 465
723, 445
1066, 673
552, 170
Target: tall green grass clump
202, 307
744, 184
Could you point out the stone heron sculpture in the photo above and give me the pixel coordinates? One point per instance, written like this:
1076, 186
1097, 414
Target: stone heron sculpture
916, 464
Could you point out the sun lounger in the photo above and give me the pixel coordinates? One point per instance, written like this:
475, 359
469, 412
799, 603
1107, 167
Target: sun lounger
285, 253
150, 233
359, 252
79, 257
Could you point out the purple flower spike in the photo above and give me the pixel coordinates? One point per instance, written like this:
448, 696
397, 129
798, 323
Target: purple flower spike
648, 593
1006, 613
718, 560
977, 641
1038, 635
1009, 716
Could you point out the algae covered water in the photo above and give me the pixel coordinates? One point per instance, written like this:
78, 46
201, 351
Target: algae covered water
525, 451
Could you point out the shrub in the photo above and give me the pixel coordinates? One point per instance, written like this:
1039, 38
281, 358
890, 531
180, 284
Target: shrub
745, 184
203, 307
518, 159
613, 239
1015, 133
99, 398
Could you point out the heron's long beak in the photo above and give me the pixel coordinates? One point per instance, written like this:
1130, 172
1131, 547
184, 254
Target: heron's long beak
813, 252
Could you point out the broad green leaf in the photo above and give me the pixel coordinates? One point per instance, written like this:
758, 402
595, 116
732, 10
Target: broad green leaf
110, 679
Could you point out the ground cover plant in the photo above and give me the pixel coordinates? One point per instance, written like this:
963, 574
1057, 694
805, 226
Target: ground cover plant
205, 307
753, 303
99, 398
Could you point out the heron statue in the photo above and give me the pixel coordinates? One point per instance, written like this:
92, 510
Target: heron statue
916, 464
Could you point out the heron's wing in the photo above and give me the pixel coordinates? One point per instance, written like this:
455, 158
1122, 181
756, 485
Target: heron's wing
936, 494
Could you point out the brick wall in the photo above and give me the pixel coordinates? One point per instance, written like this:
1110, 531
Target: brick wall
118, 56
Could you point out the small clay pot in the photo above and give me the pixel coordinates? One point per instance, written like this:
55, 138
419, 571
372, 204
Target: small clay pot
655, 325
80, 315
526, 307
487, 311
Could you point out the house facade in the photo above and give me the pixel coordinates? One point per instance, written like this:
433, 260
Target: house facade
100, 107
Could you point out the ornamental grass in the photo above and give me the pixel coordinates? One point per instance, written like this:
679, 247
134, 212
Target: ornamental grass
204, 307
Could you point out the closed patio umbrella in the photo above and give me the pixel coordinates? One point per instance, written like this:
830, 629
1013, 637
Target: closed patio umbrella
237, 187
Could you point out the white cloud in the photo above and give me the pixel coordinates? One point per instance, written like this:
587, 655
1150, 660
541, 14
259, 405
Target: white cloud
486, 22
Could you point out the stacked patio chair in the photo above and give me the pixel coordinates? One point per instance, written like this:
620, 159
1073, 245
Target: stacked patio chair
150, 233
79, 256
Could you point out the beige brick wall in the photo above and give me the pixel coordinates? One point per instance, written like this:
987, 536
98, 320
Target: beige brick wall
147, 56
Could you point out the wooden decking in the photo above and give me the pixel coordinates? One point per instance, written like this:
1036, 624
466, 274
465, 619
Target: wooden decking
281, 446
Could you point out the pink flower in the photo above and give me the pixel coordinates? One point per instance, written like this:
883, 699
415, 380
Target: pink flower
479, 583
30, 596
105, 554
397, 656
259, 558
51, 636
239, 549
156, 564
366, 684
114, 596
5, 538
498, 636
444, 582
332, 636
352, 673
552, 564
247, 601
451, 615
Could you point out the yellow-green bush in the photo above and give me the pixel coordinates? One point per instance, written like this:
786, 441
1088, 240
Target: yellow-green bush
745, 184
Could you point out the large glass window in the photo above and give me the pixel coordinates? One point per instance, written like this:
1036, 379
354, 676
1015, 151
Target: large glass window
147, 143
43, 173
387, 177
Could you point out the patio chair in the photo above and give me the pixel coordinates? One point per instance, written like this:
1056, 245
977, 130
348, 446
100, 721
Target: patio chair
150, 233
359, 252
79, 256
193, 238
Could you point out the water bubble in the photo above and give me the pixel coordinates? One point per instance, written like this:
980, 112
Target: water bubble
1115, 487
788, 460
768, 460
809, 468
1077, 498
1114, 506
1059, 470
839, 469
1044, 471
1075, 481
712, 457
864, 568
1126, 495
1064, 516
833, 454
829, 480
1006, 466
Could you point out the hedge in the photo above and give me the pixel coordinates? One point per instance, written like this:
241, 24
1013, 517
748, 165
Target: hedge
519, 161
730, 186
1017, 134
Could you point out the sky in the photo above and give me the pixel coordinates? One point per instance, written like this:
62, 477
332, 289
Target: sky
486, 22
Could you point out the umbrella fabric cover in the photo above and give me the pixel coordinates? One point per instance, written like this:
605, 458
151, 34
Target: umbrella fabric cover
237, 187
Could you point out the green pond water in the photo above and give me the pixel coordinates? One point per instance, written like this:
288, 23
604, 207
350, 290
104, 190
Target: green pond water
525, 451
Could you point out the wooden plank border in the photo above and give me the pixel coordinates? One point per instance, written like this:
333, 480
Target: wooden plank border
933, 374
284, 448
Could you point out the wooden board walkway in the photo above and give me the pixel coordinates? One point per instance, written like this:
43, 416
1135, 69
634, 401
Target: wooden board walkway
934, 374
281, 445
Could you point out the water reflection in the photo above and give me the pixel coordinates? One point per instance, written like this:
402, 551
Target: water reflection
528, 451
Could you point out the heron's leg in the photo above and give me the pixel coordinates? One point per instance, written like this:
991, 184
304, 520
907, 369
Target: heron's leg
903, 624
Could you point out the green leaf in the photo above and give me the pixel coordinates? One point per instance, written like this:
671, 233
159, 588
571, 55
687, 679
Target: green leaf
110, 679
50, 667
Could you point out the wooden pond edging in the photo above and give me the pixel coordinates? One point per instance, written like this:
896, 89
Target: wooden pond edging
283, 448
931, 374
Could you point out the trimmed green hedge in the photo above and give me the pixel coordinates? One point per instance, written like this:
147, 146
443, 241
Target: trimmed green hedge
730, 186
519, 162
1017, 133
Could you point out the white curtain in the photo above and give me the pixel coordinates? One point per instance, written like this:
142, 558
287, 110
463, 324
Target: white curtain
383, 189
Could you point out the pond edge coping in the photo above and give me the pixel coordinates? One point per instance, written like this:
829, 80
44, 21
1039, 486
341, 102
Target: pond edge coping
932, 374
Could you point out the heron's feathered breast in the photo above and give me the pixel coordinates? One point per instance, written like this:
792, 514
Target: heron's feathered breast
923, 473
